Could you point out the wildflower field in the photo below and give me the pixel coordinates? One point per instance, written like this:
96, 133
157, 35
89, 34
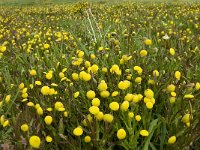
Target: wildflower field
98, 76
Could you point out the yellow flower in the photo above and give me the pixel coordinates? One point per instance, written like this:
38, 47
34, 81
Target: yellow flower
58, 105
104, 69
7, 99
61, 75
84, 76
38, 83
99, 116
45, 90
177, 75
87, 139
78, 131
124, 106
2, 48
92, 56
48, 120
65, 114
80, 54
48, 139
39, 111
24, 127
171, 88
172, 51
30, 104
172, 140
143, 53
186, 118
136, 98
123, 85
35, 141
21, 86
90, 94
144, 133
121, 134
138, 69
76, 94
128, 97
102, 86
138, 79
114, 106
172, 100
49, 75
94, 110
5, 123
33, 72
87, 64
46, 46
138, 118
115, 93
108, 118
149, 93
75, 76
188, 96
148, 42
104, 94
155, 73
131, 114
96, 102
197, 86
149, 105
94, 68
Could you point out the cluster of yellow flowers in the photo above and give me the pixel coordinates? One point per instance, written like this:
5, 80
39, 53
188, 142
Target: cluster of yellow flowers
103, 79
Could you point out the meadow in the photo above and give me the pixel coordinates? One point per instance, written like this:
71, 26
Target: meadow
99, 75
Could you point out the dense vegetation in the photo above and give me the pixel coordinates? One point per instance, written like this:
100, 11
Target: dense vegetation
96, 76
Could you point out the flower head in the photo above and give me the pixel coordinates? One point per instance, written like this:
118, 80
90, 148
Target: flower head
34, 141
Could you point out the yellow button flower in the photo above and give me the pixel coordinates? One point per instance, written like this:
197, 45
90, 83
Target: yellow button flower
87, 139
188, 96
24, 127
104, 94
172, 51
108, 118
114, 106
149, 105
94, 110
102, 86
78, 131
171, 88
143, 53
177, 75
144, 133
186, 118
197, 86
148, 42
99, 116
121, 134
138, 118
48, 139
149, 93
90, 94
172, 140
58, 105
45, 90
96, 102
124, 106
35, 141
33, 72
48, 120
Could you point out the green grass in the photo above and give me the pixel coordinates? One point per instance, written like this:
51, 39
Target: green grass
49, 2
